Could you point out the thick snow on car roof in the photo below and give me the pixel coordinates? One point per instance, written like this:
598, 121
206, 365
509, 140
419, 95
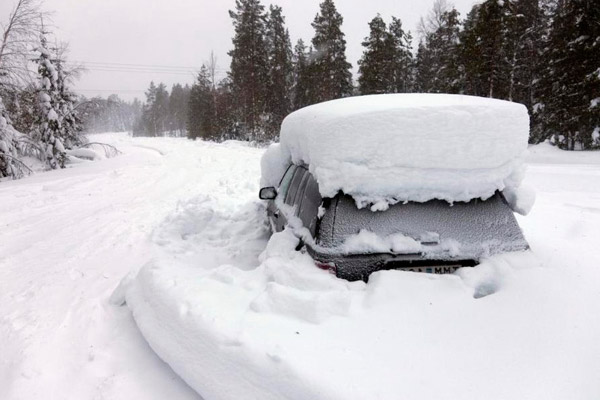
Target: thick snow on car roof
382, 149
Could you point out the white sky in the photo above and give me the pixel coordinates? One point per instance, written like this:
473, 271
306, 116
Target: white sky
182, 33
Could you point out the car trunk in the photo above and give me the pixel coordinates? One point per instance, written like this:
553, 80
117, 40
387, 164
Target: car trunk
460, 233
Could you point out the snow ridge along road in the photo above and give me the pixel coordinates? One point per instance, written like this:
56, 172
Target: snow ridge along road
238, 324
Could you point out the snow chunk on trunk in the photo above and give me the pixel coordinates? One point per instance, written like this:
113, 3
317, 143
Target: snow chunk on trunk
409, 147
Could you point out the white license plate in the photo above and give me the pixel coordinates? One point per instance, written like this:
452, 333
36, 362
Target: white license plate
436, 269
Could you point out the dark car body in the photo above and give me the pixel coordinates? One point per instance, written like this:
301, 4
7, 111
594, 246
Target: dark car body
451, 235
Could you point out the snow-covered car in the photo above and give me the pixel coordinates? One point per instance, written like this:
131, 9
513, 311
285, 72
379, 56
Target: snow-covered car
426, 183
433, 236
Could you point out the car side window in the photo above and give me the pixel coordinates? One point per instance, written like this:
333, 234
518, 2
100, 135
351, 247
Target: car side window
294, 185
300, 191
285, 181
309, 208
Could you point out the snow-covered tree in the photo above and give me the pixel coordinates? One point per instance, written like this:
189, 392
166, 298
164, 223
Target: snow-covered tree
18, 35
484, 51
49, 97
570, 105
8, 146
70, 123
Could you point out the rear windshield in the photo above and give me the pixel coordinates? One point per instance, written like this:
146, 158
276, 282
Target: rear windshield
471, 223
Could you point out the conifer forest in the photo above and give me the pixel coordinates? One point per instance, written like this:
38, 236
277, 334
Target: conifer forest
544, 54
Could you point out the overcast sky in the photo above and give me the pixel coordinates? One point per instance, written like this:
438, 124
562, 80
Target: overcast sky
154, 36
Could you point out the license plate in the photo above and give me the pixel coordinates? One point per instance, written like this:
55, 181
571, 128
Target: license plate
436, 269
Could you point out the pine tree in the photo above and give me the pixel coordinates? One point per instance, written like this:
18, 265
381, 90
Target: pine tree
49, 124
227, 127
524, 44
425, 69
280, 71
445, 42
249, 66
438, 68
571, 82
201, 121
332, 75
160, 110
146, 126
484, 54
302, 76
374, 65
401, 65
69, 118
178, 107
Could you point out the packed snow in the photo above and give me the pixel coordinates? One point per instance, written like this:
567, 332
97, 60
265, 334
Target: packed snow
173, 229
383, 149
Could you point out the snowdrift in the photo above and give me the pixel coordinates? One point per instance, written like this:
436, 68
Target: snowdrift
406, 147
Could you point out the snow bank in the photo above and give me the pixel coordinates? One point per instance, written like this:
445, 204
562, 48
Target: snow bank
288, 330
408, 147
86, 154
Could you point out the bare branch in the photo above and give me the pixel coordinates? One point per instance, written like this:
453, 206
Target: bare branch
18, 36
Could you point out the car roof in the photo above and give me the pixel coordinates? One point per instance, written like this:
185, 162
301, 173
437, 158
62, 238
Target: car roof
481, 228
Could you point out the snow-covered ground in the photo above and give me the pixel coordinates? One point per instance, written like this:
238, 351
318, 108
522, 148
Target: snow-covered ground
235, 324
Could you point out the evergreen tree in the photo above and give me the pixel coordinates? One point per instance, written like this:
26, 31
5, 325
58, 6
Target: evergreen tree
155, 118
146, 126
178, 109
571, 82
68, 116
8, 146
49, 124
280, 72
374, 65
160, 110
249, 66
484, 54
401, 60
527, 27
425, 69
445, 41
201, 121
302, 79
227, 127
331, 72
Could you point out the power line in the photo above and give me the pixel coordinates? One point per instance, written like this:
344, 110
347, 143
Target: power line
111, 90
188, 74
142, 70
196, 68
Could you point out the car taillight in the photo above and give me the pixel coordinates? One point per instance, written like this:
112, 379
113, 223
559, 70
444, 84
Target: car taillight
326, 266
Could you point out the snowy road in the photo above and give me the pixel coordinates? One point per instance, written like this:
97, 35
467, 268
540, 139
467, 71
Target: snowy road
66, 240
235, 327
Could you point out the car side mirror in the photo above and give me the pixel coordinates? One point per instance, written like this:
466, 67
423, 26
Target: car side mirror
267, 193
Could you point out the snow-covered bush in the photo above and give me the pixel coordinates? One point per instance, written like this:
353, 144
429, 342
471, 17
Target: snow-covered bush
10, 146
